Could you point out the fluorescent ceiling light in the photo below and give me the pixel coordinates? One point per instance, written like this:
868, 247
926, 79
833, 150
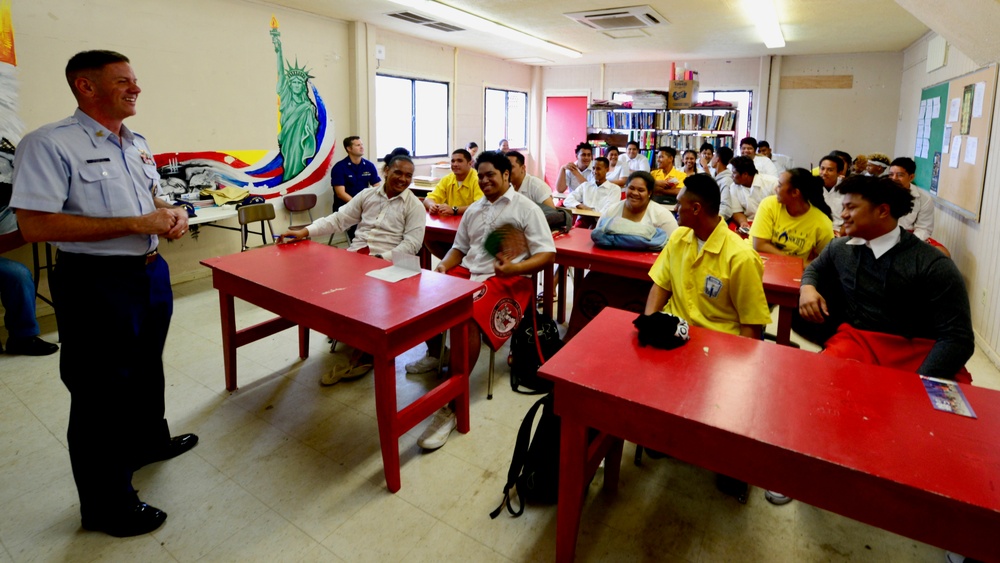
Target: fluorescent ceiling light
764, 14
470, 21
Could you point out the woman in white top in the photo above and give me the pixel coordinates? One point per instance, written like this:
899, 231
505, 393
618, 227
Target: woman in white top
638, 207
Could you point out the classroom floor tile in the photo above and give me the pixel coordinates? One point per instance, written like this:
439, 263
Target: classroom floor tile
287, 470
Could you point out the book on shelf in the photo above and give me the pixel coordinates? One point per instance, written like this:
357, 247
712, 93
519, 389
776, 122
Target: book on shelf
661, 120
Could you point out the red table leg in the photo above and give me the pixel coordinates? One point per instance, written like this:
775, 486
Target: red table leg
784, 331
613, 465
227, 311
303, 342
385, 409
547, 281
572, 466
460, 357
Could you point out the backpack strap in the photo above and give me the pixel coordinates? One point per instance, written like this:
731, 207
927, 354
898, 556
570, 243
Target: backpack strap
517, 462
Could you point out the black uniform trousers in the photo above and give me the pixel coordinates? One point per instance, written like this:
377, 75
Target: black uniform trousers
113, 314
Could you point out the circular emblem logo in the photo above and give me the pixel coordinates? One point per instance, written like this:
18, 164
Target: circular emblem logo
479, 294
504, 319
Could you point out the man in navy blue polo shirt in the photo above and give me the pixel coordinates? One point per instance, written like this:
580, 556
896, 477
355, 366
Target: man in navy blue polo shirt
352, 174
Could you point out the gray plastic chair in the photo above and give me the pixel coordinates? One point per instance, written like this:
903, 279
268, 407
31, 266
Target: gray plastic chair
256, 213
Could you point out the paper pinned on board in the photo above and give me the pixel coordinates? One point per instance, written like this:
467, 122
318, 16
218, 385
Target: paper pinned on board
955, 153
946, 139
977, 99
971, 146
956, 106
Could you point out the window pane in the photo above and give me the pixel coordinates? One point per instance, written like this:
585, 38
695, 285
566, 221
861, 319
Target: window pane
496, 110
393, 114
431, 123
517, 119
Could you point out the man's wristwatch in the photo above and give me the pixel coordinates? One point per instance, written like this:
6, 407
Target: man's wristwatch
454, 209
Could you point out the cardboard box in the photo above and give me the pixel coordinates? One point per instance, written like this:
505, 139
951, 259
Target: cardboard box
683, 94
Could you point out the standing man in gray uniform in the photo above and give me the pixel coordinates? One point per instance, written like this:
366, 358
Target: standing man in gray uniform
88, 184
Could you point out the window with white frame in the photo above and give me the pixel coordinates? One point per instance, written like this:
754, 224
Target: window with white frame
412, 114
506, 118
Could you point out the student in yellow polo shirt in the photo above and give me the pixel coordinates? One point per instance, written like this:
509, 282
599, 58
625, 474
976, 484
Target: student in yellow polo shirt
707, 274
669, 180
456, 191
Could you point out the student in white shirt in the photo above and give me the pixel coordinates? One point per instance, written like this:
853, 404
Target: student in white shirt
509, 290
617, 169
390, 222
598, 195
919, 221
748, 148
705, 154
782, 163
831, 170
572, 174
633, 160
748, 190
527, 185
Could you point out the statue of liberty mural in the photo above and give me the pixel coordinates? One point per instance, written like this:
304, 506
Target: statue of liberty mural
297, 133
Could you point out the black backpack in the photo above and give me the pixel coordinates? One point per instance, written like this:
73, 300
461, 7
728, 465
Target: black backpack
534, 469
527, 355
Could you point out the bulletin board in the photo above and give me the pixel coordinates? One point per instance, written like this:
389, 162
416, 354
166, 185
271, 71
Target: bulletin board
954, 121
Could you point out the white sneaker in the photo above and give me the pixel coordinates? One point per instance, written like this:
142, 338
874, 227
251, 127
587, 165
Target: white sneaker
437, 433
427, 364
952, 557
777, 499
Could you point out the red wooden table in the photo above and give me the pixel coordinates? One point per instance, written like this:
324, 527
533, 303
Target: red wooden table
782, 274
861, 441
325, 289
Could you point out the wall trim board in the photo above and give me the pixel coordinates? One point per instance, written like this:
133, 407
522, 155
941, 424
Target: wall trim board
829, 82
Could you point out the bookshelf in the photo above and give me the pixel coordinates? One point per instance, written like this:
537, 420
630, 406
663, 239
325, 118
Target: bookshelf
682, 129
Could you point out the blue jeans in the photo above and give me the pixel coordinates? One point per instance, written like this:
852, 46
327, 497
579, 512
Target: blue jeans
17, 293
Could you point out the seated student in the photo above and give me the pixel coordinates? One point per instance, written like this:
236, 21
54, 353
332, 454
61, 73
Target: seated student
781, 162
718, 167
831, 172
748, 190
795, 221
637, 223
473, 148
617, 169
638, 207
669, 180
527, 185
17, 288
597, 195
503, 146
878, 164
863, 288
689, 162
705, 154
748, 148
455, 192
390, 222
708, 276
506, 276
634, 160
572, 174
860, 164
919, 221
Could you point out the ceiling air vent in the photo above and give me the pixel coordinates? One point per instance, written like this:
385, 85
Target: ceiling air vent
410, 17
618, 18
426, 22
444, 26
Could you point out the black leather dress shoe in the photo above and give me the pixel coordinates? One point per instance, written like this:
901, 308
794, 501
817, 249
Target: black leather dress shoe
175, 447
136, 520
30, 346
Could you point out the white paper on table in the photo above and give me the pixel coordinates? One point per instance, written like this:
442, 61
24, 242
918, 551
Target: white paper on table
936, 108
977, 100
956, 148
971, 146
407, 261
946, 139
956, 106
392, 274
